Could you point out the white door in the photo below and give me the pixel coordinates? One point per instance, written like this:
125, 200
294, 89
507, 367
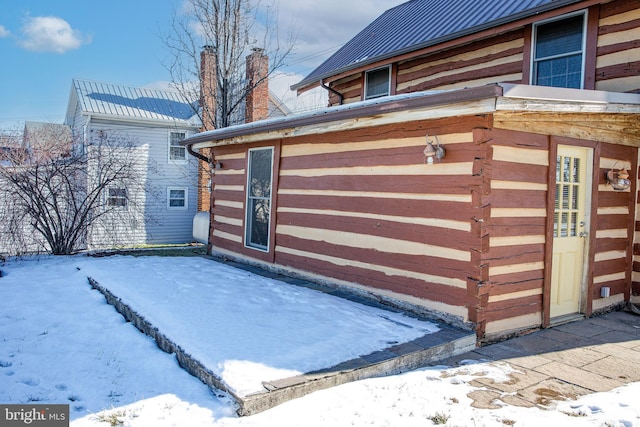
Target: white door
570, 227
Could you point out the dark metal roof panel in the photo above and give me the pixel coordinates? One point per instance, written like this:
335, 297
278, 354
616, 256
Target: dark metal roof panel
421, 23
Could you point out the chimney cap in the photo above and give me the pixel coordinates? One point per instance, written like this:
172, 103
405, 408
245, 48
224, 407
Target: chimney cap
207, 48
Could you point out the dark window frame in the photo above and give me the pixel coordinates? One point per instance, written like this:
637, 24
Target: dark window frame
255, 201
367, 85
585, 53
117, 197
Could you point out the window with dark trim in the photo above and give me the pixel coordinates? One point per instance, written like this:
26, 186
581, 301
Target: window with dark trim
117, 197
377, 83
259, 181
558, 52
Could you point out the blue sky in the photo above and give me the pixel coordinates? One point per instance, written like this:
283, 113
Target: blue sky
45, 44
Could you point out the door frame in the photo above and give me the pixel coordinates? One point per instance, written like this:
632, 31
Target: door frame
586, 300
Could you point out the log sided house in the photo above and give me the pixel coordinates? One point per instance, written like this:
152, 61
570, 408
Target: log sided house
498, 206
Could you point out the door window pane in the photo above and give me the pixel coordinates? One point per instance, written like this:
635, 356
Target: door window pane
567, 203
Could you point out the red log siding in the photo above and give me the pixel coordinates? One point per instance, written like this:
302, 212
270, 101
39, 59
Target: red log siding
613, 59
635, 278
615, 226
516, 229
498, 59
229, 199
364, 207
350, 88
466, 236
618, 47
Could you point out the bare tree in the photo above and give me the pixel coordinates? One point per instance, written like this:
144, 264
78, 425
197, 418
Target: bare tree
53, 193
228, 30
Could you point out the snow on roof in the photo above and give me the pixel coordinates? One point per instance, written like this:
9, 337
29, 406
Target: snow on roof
550, 97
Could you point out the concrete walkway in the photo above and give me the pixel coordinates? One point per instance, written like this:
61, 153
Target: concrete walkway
564, 362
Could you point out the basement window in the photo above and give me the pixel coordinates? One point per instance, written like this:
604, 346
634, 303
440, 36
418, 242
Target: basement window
377, 83
559, 47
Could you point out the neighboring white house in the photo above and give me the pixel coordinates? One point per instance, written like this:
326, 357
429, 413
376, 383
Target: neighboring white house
161, 209
155, 121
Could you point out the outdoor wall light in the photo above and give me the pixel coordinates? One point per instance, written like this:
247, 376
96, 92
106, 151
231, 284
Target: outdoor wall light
618, 179
431, 152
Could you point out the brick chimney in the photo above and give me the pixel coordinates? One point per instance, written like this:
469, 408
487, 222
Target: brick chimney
208, 89
257, 101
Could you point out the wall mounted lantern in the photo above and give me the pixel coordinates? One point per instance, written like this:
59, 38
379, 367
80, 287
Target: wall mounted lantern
618, 179
431, 152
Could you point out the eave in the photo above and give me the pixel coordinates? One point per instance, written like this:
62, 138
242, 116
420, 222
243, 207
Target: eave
111, 118
507, 102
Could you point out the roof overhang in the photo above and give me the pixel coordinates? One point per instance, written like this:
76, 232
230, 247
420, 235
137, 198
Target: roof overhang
489, 99
152, 122
448, 41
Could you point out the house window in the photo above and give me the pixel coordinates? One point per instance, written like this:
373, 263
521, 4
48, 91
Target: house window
177, 198
377, 83
259, 178
117, 197
559, 52
177, 152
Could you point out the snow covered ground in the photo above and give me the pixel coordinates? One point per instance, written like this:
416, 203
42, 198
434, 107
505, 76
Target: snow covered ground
248, 328
61, 343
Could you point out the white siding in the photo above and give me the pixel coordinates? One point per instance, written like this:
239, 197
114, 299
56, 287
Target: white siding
152, 221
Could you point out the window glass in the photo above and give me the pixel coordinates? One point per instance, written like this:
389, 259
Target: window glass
567, 204
377, 83
176, 197
558, 53
117, 197
177, 151
259, 198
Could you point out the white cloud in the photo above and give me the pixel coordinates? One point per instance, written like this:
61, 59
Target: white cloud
321, 30
279, 84
4, 32
50, 34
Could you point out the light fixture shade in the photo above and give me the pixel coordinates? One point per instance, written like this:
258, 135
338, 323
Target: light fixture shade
431, 151
619, 180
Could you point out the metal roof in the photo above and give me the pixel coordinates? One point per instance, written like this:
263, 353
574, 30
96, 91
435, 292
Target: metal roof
418, 24
132, 102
